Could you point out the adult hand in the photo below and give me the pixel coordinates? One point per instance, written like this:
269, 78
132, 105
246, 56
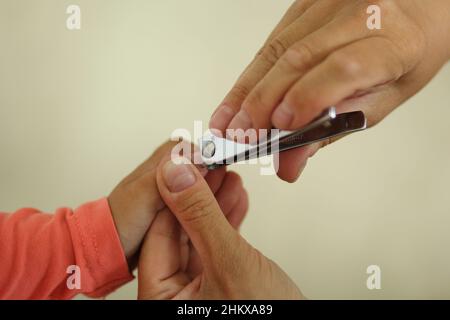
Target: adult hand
217, 263
322, 54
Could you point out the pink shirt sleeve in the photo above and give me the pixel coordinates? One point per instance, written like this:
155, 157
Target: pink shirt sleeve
36, 250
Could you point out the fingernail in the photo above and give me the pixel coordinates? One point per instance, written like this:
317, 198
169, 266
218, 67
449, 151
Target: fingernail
300, 170
203, 170
313, 150
178, 176
221, 118
241, 121
283, 116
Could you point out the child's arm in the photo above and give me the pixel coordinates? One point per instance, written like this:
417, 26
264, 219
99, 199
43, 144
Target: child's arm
36, 250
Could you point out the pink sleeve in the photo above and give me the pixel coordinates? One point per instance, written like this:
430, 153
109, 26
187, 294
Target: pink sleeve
36, 250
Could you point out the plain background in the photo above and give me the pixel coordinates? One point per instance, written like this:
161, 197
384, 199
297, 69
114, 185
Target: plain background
80, 109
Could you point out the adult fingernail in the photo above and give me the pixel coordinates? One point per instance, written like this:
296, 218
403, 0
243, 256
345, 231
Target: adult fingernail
300, 170
178, 176
241, 121
283, 116
313, 149
221, 118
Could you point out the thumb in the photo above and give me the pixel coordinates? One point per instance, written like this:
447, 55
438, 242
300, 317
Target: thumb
189, 197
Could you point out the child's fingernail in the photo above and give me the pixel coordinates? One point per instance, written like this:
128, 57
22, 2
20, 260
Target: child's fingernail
221, 118
283, 116
178, 176
203, 170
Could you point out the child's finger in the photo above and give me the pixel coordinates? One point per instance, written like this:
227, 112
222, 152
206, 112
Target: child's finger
229, 193
238, 213
215, 178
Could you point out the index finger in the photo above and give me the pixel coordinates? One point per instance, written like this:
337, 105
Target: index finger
254, 72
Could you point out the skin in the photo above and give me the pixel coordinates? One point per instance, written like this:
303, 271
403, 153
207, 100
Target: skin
136, 201
322, 54
193, 250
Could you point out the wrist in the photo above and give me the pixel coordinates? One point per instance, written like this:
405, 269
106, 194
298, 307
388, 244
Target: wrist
95, 237
121, 230
133, 208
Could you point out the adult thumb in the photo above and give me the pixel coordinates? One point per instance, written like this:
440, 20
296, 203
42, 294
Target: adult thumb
189, 197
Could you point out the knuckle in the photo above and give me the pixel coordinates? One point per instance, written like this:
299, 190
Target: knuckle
239, 91
345, 64
260, 52
196, 209
299, 56
273, 51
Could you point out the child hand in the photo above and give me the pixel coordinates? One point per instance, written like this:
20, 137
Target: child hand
135, 201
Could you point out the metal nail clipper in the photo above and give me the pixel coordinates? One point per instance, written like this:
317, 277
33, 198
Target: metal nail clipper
217, 151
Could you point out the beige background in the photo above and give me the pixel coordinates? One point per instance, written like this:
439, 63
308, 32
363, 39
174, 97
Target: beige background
79, 110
